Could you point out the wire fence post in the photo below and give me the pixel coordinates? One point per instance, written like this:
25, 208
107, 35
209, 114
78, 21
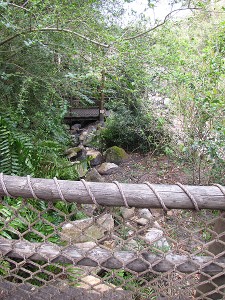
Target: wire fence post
212, 286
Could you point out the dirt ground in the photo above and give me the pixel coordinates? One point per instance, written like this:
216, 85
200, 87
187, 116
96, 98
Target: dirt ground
154, 169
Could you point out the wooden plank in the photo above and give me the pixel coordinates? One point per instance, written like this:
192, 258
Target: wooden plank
90, 254
84, 112
108, 194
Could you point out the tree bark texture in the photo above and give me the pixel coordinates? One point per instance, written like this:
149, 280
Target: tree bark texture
108, 194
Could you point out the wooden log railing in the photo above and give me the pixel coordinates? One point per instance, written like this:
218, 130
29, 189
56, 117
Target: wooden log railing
115, 194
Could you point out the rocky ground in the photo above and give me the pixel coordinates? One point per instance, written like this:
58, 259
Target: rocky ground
136, 168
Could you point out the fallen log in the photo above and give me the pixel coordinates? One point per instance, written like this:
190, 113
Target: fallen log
114, 194
90, 254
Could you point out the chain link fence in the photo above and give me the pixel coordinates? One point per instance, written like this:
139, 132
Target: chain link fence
64, 250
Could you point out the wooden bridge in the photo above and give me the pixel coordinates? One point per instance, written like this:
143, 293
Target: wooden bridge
77, 113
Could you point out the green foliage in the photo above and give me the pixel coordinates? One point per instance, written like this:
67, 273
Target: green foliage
189, 65
15, 149
21, 154
30, 214
134, 132
129, 282
4, 267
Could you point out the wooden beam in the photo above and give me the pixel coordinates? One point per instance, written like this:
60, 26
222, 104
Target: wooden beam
108, 194
90, 254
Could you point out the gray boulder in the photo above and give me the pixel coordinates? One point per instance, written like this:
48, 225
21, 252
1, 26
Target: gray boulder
93, 176
73, 152
107, 168
87, 230
156, 238
127, 213
145, 213
96, 157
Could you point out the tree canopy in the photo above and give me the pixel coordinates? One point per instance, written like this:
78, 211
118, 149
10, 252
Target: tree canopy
53, 50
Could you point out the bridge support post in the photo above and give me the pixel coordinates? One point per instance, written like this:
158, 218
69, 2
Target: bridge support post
102, 99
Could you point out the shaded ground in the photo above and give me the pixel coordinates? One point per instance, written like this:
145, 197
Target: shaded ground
155, 169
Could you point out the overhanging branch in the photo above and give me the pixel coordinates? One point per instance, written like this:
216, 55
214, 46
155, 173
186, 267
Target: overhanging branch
160, 24
53, 29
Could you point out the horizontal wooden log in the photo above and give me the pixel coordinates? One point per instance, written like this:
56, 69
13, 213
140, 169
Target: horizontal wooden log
90, 254
108, 194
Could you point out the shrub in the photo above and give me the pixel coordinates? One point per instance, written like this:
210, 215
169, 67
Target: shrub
134, 131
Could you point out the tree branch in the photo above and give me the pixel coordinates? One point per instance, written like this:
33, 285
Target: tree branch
160, 24
18, 6
53, 29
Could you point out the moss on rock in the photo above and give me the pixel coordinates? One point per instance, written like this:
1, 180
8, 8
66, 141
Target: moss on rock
115, 155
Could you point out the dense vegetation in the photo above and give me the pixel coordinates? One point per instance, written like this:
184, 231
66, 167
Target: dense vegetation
54, 50
45, 59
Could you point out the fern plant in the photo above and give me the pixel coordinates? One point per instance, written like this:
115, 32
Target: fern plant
15, 150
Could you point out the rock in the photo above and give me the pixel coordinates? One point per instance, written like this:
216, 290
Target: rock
162, 244
109, 244
73, 152
127, 213
107, 168
95, 283
86, 246
157, 212
88, 133
87, 230
88, 209
75, 128
145, 213
93, 176
83, 154
155, 237
156, 225
130, 232
115, 155
143, 221
83, 135
132, 245
170, 213
96, 157
75, 139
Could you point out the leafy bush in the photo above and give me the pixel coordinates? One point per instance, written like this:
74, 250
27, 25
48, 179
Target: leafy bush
134, 131
29, 213
22, 154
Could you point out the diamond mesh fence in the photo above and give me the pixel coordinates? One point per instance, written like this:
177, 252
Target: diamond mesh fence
64, 250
